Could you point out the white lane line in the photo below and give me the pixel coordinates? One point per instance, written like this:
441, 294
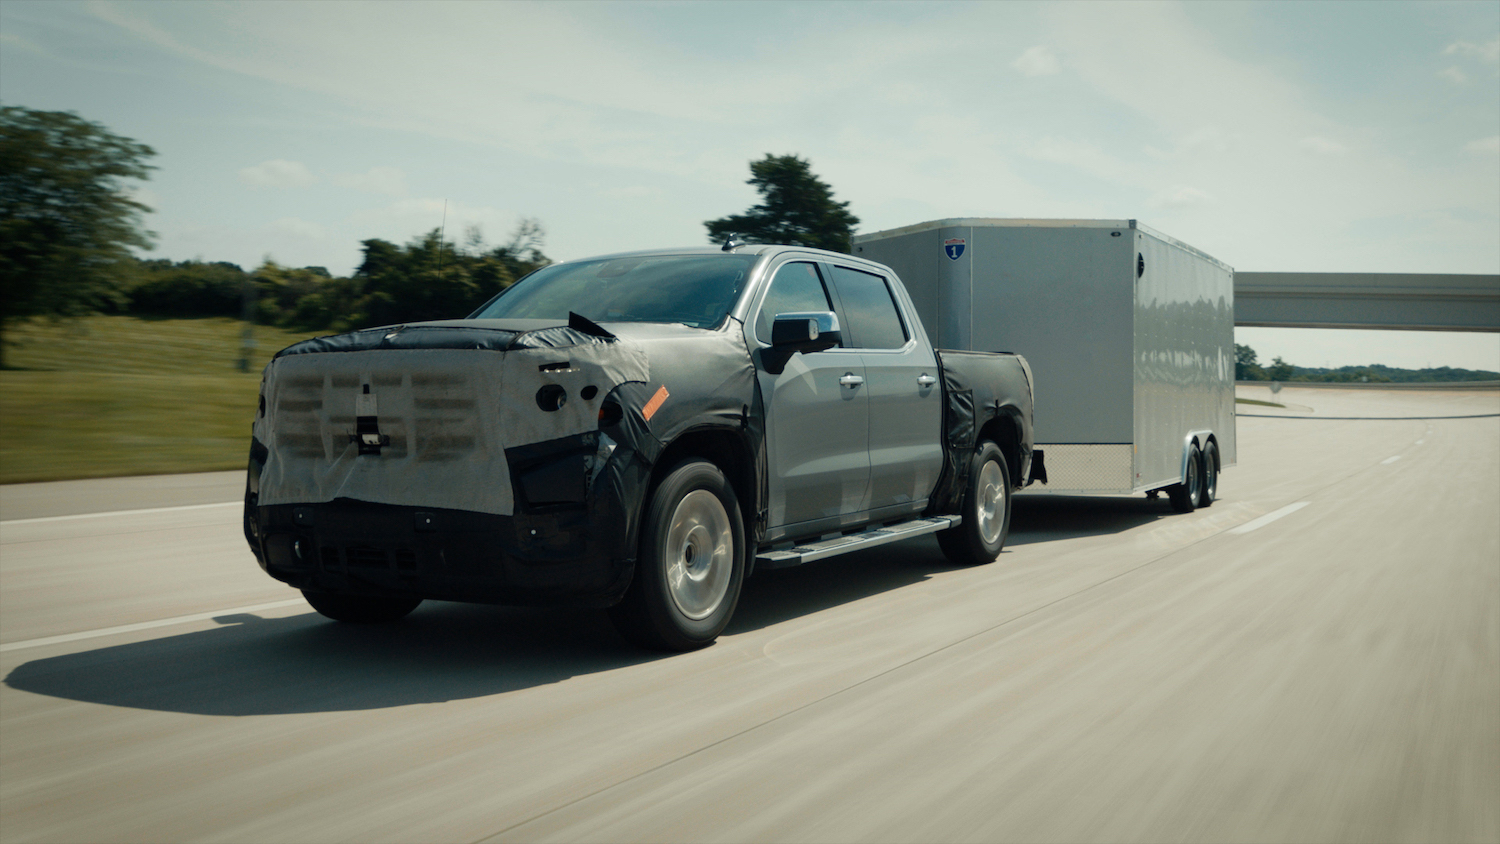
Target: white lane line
144, 625
121, 513
1270, 517
1389, 460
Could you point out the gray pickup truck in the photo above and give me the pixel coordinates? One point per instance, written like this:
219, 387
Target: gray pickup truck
638, 432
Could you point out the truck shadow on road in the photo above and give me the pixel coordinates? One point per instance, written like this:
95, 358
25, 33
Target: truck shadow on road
1047, 518
774, 596
305, 663
250, 665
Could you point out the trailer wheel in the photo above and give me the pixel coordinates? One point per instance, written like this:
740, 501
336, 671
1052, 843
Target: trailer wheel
1184, 496
691, 563
986, 511
1210, 490
360, 609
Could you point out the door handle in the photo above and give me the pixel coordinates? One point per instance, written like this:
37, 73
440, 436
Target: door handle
925, 380
851, 380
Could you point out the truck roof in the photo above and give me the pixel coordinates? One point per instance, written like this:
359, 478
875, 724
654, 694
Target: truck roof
762, 249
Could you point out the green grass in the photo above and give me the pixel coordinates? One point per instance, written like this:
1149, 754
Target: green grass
105, 396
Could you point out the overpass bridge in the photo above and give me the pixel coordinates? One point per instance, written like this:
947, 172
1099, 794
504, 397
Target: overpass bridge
1409, 301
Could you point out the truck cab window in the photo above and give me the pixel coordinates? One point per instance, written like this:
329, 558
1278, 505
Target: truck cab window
796, 287
869, 310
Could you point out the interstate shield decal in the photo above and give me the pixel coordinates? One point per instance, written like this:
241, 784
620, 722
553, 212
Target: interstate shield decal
954, 246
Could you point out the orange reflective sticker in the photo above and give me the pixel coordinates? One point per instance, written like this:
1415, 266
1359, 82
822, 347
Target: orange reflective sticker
655, 404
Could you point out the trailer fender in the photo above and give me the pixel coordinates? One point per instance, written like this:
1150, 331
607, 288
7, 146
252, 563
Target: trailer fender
1193, 438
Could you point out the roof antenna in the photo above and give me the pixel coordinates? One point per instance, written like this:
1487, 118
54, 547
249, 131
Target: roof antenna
732, 241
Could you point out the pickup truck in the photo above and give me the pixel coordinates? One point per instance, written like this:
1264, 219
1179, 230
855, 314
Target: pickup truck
637, 432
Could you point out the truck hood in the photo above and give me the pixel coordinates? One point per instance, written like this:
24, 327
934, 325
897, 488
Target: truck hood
455, 394
499, 335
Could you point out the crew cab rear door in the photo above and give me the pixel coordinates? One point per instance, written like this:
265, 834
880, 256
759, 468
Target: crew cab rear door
817, 416
901, 381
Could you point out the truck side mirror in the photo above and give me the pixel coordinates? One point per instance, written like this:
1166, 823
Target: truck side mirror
805, 331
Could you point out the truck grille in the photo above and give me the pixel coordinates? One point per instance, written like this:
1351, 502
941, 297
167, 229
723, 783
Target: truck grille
432, 416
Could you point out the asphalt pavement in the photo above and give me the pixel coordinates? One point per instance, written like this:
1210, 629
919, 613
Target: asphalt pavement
1314, 658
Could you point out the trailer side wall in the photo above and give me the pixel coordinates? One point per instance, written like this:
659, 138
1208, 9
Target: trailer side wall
1183, 357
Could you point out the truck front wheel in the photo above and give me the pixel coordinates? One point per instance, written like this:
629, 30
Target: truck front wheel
360, 609
986, 511
691, 563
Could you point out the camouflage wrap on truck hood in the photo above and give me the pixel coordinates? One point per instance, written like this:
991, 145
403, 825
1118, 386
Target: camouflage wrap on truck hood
443, 402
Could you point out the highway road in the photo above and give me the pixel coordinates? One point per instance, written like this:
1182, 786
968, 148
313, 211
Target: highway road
1314, 658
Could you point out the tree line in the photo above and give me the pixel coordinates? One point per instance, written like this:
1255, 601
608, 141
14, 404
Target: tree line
429, 277
1247, 368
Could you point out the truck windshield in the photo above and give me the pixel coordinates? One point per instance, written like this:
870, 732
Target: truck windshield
695, 290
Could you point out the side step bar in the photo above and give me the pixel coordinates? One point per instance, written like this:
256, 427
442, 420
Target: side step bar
867, 538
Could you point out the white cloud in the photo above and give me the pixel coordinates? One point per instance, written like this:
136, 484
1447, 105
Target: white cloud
277, 173
1484, 146
1322, 146
1038, 61
1488, 52
11, 41
1088, 158
1180, 196
298, 228
385, 180
1454, 75
1208, 139
404, 219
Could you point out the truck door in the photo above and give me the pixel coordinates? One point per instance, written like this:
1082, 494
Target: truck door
817, 415
901, 378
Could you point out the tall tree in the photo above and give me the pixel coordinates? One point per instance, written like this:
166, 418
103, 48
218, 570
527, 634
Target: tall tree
1247, 365
797, 208
67, 222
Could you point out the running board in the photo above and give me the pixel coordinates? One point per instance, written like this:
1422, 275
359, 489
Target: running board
868, 538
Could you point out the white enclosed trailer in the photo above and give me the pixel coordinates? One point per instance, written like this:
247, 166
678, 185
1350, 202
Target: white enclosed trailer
1130, 335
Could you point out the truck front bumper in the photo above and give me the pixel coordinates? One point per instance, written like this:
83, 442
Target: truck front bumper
566, 556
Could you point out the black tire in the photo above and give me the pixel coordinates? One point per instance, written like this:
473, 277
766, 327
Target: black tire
691, 563
360, 609
1209, 492
986, 511
1184, 496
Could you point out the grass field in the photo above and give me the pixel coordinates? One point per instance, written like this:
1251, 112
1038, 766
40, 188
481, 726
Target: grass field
113, 395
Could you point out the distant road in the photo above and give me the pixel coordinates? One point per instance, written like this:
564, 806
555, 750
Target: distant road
67, 498
1315, 657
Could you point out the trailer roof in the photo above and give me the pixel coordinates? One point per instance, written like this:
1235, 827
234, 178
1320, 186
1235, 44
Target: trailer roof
1041, 223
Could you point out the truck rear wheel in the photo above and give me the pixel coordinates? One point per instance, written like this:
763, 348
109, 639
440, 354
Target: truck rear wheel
360, 609
1210, 489
1184, 496
986, 511
691, 563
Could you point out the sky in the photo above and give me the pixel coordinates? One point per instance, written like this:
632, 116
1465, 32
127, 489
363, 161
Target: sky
1275, 136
